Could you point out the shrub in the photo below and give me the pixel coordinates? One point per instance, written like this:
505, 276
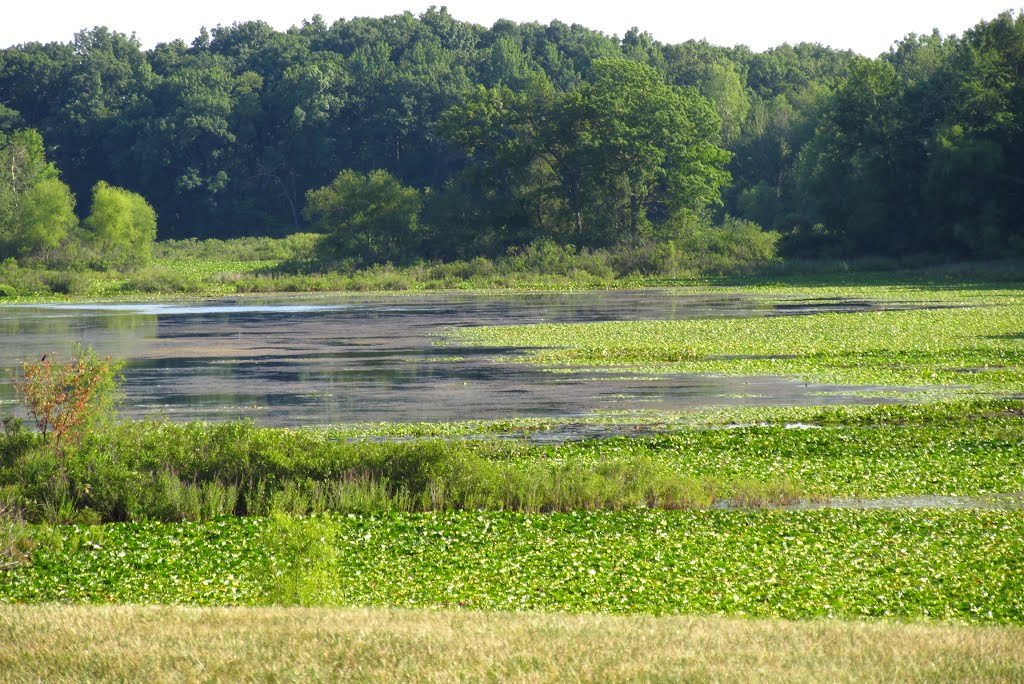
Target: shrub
65, 399
122, 227
301, 557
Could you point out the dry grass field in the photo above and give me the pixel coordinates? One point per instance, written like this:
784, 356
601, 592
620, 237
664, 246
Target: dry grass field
140, 643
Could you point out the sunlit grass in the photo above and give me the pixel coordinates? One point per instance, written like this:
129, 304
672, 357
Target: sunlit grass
138, 643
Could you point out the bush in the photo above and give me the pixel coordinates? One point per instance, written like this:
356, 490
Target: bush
122, 227
15, 440
372, 217
65, 399
302, 555
735, 247
546, 257
296, 247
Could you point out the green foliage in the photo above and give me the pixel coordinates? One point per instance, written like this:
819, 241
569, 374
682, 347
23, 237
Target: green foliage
66, 399
301, 560
138, 471
298, 247
519, 133
910, 564
36, 208
595, 165
121, 227
16, 542
370, 217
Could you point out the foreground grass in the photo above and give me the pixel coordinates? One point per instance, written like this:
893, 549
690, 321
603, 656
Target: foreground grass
135, 643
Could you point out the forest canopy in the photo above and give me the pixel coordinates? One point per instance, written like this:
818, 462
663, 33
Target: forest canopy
485, 139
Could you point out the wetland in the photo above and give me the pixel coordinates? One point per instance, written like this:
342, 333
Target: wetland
299, 361
795, 451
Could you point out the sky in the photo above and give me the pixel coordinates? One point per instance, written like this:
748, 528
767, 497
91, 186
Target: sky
869, 27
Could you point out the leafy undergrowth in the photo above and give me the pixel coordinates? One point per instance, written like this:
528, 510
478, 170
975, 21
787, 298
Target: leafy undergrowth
916, 564
196, 471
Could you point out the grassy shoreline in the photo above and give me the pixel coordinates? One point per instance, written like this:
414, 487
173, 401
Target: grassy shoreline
178, 273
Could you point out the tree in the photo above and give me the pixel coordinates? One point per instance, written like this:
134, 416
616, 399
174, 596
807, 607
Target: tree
122, 226
36, 208
653, 147
370, 217
601, 163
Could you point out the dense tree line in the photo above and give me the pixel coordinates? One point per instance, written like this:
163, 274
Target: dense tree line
425, 136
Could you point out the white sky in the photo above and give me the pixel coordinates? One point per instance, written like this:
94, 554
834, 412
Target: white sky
868, 26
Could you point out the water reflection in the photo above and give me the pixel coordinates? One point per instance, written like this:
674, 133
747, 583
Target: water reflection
299, 361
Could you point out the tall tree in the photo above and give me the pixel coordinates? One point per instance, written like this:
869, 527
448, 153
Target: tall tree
601, 163
36, 208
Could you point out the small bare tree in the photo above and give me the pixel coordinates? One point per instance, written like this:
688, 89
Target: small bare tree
66, 398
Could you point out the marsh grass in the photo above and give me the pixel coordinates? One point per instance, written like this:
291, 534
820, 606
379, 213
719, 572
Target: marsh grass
480, 484
16, 542
140, 643
195, 472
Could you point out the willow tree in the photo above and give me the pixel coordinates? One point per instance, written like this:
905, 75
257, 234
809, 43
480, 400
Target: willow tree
36, 208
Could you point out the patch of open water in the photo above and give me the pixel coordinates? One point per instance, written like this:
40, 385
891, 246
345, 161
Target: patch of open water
290, 361
1013, 501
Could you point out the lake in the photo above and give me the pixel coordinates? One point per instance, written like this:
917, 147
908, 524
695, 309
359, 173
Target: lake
290, 361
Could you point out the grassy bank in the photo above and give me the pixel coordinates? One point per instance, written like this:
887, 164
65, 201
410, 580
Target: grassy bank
171, 472
134, 643
214, 268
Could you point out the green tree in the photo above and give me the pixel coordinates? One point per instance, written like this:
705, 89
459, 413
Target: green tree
975, 179
722, 84
36, 208
370, 217
651, 147
602, 163
121, 226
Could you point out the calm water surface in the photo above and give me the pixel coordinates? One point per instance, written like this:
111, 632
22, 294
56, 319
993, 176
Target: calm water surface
315, 361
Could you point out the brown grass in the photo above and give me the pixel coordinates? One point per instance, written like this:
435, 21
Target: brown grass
137, 643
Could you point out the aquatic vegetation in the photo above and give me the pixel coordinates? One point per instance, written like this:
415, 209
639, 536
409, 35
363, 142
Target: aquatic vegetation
195, 471
486, 515
959, 565
980, 347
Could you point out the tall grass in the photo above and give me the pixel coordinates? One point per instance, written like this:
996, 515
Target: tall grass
139, 471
